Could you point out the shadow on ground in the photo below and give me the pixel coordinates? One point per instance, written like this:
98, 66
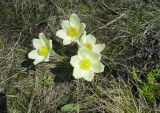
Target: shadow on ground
3, 103
63, 73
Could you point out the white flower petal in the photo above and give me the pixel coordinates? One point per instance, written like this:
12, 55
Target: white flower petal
74, 21
46, 59
94, 57
91, 39
98, 67
75, 61
88, 75
83, 38
77, 73
82, 53
67, 41
43, 39
37, 43
82, 28
33, 54
38, 60
65, 25
61, 34
50, 44
99, 47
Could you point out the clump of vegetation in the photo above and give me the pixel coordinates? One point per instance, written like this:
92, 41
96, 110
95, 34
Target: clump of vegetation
130, 31
149, 88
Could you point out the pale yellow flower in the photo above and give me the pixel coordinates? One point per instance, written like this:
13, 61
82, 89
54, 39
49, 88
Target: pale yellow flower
72, 30
86, 64
42, 50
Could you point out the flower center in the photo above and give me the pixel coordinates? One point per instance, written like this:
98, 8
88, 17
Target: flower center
43, 51
72, 32
88, 46
85, 64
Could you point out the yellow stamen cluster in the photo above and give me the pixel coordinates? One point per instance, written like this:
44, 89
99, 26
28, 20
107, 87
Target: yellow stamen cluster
85, 64
72, 32
88, 46
43, 51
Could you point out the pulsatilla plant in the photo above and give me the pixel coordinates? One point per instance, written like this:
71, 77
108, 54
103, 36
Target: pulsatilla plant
86, 62
148, 89
43, 48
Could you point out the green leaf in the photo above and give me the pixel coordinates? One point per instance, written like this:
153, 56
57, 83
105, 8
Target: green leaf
134, 73
98, 90
48, 81
151, 76
70, 107
147, 90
